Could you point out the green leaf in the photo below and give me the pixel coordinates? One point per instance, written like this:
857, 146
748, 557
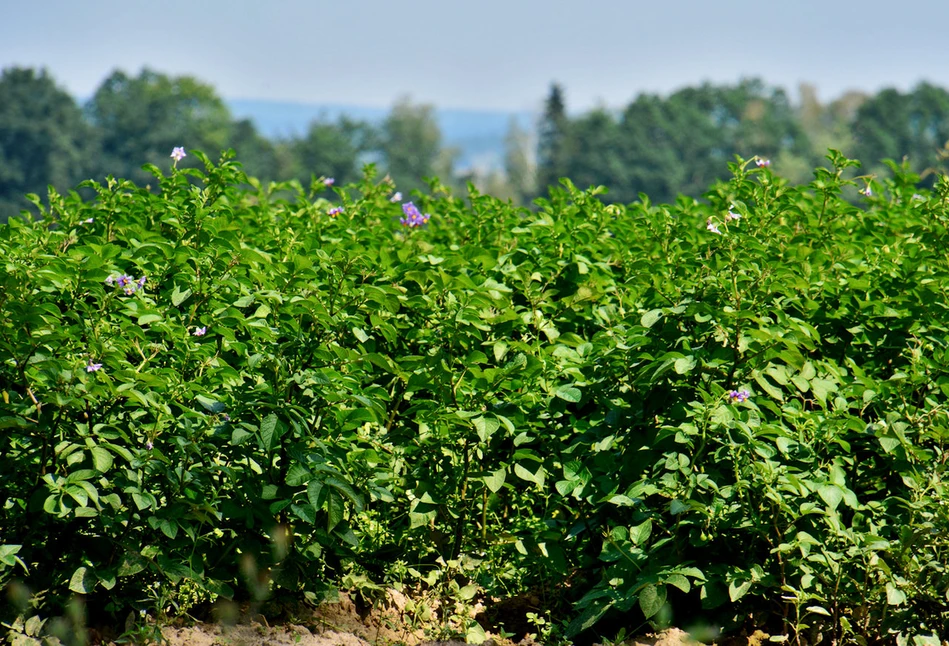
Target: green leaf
568, 393
101, 459
679, 581
334, 510
346, 489
822, 388
525, 474
684, 365
894, 596
316, 494
649, 318
831, 494
485, 427
651, 600
268, 432
145, 319
475, 634
494, 481
298, 474
640, 533
178, 296
211, 405
306, 513
83, 580
736, 590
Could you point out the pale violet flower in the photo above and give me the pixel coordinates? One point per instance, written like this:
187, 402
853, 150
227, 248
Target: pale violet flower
149, 446
200, 331
413, 217
867, 191
336, 210
178, 153
93, 367
711, 226
762, 162
733, 213
88, 220
128, 283
738, 396
396, 197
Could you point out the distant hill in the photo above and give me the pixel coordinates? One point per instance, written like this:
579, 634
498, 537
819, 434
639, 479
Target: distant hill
477, 134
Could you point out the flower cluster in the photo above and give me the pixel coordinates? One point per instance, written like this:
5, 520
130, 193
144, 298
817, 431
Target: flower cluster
126, 282
413, 217
738, 396
336, 210
178, 153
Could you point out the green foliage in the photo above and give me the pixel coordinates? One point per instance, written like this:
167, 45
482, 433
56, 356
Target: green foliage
893, 125
410, 146
140, 119
500, 400
43, 138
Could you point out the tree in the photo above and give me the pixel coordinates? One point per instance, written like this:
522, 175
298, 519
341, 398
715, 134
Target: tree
333, 150
553, 140
597, 155
43, 138
141, 119
410, 144
892, 125
519, 164
258, 155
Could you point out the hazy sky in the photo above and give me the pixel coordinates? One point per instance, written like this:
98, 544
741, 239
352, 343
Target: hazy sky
484, 54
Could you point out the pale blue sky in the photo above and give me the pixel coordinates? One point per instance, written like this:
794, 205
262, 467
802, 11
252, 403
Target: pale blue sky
487, 54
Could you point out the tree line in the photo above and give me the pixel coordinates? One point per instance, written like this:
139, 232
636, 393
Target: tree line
662, 146
680, 144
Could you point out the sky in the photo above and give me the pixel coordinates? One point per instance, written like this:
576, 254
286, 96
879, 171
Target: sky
489, 54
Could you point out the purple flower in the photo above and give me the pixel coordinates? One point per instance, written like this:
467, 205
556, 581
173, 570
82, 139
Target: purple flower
762, 162
867, 191
200, 331
140, 282
732, 213
413, 217
738, 396
396, 197
110, 281
329, 181
149, 445
178, 153
93, 367
711, 226
336, 210
124, 280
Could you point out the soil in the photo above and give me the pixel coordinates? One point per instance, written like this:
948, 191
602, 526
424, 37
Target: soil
344, 624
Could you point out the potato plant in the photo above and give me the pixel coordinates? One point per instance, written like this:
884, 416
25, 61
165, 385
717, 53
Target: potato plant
726, 410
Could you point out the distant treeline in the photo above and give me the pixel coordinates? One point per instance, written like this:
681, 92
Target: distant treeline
660, 146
